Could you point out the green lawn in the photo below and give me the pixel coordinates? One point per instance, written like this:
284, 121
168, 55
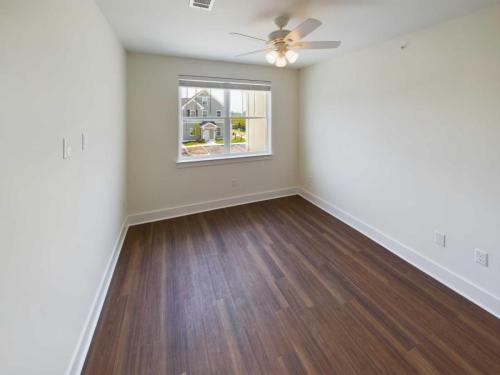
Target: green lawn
193, 143
238, 140
219, 141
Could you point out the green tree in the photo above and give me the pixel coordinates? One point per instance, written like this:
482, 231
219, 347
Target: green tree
239, 123
196, 130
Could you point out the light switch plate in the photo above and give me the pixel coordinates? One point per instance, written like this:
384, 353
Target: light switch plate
66, 148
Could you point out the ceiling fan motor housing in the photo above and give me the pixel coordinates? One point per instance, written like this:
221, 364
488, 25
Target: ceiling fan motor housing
278, 35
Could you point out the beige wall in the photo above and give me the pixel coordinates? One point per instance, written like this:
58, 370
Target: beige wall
405, 140
408, 140
61, 73
154, 179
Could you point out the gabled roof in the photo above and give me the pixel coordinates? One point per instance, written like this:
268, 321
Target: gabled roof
186, 101
208, 125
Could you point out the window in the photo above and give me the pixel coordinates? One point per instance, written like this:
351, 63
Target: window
241, 125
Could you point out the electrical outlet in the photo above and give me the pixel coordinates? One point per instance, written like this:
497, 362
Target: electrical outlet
440, 239
481, 257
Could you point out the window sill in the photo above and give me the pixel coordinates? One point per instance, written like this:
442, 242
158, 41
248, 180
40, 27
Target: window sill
183, 163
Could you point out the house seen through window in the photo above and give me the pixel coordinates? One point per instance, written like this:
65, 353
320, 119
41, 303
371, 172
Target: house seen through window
222, 118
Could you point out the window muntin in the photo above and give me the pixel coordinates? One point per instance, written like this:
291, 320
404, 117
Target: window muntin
230, 120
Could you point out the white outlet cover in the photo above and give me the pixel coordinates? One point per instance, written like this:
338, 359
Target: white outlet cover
481, 257
440, 239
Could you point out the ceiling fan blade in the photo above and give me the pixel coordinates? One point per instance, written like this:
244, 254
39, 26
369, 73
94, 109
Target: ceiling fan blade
316, 45
304, 29
248, 36
251, 53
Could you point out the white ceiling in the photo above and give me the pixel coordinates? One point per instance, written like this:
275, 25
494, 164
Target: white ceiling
172, 27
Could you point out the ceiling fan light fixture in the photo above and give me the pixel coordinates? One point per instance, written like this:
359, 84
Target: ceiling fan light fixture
271, 57
291, 56
281, 62
281, 45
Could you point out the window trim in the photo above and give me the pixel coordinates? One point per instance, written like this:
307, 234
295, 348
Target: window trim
228, 156
223, 160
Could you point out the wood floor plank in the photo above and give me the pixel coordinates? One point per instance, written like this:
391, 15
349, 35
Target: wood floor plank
280, 287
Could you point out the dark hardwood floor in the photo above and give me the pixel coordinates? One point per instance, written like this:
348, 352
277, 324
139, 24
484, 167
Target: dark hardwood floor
280, 287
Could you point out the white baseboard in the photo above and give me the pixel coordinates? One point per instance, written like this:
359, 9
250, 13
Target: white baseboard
80, 353
168, 213
466, 288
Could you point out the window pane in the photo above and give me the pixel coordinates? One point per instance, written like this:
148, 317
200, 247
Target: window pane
256, 135
258, 104
218, 122
239, 142
202, 102
202, 138
248, 135
246, 103
237, 103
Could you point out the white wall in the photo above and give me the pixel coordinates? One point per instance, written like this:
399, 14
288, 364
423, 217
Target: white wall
154, 179
407, 141
61, 73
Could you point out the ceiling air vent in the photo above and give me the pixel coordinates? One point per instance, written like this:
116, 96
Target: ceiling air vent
202, 4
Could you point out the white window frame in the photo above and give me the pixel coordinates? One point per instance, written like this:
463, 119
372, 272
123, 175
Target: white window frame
228, 156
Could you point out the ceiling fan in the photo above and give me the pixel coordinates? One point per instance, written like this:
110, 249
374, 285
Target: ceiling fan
282, 44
